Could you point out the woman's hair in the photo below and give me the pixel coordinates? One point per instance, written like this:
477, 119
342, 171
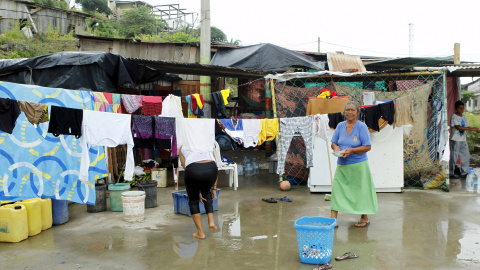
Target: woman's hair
354, 103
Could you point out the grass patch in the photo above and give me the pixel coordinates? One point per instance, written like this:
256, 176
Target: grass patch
51, 42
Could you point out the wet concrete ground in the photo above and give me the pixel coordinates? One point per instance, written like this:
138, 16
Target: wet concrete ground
417, 229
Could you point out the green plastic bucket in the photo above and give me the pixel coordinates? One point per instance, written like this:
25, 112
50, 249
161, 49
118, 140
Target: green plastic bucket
116, 204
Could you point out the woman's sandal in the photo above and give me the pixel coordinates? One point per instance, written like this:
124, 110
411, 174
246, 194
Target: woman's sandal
323, 267
362, 224
285, 199
271, 200
348, 255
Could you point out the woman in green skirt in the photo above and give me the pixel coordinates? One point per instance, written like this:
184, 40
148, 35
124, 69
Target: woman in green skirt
353, 190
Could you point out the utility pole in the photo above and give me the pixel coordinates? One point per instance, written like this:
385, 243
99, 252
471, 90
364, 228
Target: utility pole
456, 54
205, 54
318, 44
410, 39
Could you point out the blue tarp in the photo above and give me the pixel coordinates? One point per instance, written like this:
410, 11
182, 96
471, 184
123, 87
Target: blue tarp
34, 163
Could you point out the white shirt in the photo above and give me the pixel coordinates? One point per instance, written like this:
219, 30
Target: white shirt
106, 129
251, 130
192, 157
198, 135
320, 126
172, 107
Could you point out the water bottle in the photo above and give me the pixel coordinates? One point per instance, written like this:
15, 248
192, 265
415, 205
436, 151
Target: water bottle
255, 166
471, 180
248, 168
240, 169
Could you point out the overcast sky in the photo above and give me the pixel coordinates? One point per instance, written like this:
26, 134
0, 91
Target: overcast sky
371, 27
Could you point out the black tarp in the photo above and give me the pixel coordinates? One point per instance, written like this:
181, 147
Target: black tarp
265, 57
91, 71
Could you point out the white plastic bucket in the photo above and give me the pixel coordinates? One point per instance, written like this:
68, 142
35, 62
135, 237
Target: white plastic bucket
133, 206
160, 175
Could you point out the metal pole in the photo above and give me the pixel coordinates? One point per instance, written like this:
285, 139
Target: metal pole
318, 44
205, 53
410, 39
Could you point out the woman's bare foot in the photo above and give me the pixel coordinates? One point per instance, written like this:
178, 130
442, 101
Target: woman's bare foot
196, 235
212, 227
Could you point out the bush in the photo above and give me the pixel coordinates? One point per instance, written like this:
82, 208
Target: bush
473, 138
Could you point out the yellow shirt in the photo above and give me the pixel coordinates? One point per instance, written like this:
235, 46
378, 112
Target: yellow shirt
269, 130
199, 101
225, 94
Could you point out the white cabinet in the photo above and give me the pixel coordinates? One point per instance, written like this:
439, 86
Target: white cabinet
385, 159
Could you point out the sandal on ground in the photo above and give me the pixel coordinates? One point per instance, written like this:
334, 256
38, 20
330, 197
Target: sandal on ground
362, 224
348, 255
323, 267
285, 199
271, 200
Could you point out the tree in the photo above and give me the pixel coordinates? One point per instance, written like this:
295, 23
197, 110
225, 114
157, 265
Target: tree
139, 21
91, 6
466, 96
217, 35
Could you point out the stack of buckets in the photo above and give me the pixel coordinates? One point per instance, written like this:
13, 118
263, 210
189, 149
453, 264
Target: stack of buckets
30, 217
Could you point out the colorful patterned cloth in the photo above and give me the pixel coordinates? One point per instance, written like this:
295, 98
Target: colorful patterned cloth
34, 163
107, 102
132, 102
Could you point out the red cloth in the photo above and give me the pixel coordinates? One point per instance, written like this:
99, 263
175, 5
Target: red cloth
152, 105
453, 96
194, 104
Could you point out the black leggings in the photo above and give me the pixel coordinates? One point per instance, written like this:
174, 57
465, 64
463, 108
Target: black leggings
200, 177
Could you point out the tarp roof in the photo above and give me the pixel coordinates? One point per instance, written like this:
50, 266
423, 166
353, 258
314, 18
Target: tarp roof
266, 57
199, 69
409, 62
92, 71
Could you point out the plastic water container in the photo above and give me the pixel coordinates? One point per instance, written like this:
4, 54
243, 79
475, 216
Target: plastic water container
315, 239
116, 190
133, 206
248, 168
150, 188
59, 212
34, 215
180, 203
100, 199
471, 180
13, 223
256, 168
47, 217
239, 169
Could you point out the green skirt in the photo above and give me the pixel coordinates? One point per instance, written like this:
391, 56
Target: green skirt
353, 190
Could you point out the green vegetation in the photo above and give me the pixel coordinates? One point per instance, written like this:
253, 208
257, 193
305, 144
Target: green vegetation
473, 137
466, 96
92, 6
52, 3
23, 47
139, 21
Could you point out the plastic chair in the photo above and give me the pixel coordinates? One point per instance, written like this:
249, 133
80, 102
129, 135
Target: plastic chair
233, 176
222, 166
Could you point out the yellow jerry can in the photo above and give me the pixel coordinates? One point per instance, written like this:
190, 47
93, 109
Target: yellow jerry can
13, 223
34, 215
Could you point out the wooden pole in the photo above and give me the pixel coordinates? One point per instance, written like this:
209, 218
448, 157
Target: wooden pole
456, 53
274, 107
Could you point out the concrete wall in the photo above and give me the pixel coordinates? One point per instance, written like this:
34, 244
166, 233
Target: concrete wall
146, 50
473, 105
